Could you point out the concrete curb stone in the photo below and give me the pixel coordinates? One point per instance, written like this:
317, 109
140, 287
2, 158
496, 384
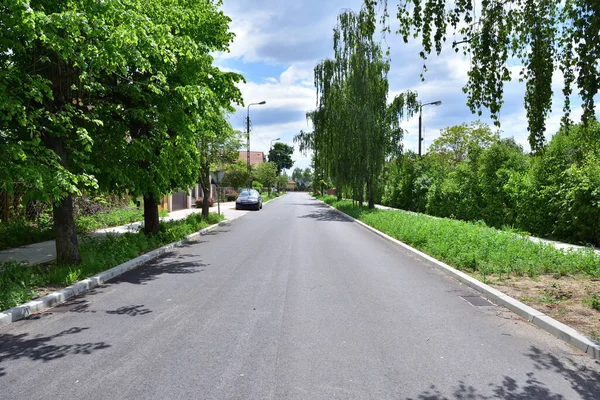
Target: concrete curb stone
53, 299
550, 325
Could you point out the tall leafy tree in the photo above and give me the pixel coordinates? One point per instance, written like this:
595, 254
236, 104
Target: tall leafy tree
127, 79
266, 174
170, 99
355, 129
543, 34
281, 155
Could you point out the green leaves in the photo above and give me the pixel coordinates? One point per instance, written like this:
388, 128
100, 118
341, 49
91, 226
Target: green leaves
541, 34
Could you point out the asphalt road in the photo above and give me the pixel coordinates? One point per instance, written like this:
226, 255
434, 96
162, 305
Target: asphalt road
292, 302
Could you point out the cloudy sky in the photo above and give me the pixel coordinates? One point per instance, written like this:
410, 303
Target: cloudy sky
278, 43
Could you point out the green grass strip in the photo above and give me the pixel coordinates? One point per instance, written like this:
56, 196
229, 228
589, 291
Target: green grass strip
18, 281
474, 247
21, 233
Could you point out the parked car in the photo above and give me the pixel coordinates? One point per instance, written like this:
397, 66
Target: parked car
249, 199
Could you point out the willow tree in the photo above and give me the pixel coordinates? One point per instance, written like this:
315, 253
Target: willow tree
543, 34
355, 129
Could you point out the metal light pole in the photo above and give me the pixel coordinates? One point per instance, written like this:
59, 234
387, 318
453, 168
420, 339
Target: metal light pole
271, 144
434, 103
248, 133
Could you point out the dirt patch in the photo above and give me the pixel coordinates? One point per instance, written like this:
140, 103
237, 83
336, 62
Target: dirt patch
566, 299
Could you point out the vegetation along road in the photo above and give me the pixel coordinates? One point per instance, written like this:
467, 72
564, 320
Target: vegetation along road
292, 302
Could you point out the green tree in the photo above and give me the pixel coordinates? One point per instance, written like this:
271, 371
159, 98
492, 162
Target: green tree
282, 181
107, 92
543, 34
281, 155
297, 174
236, 174
456, 141
354, 127
168, 100
266, 174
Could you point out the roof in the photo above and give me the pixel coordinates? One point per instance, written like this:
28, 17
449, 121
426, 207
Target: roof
256, 157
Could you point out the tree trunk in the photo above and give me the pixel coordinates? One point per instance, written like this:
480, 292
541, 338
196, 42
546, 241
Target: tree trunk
370, 192
67, 247
205, 185
151, 220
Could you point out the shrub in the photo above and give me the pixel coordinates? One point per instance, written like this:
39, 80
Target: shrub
231, 195
258, 186
200, 201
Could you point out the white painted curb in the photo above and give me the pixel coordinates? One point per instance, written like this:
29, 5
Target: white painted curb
53, 299
534, 316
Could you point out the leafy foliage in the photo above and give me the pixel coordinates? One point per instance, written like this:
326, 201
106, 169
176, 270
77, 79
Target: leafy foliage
354, 127
543, 34
266, 174
108, 94
554, 195
473, 246
281, 155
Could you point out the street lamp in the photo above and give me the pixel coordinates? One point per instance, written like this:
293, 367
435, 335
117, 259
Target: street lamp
433, 103
271, 144
248, 133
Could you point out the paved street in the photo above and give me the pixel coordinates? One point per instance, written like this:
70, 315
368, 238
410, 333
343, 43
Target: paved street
292, 302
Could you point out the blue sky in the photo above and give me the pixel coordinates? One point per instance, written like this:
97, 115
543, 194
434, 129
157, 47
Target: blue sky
279, 42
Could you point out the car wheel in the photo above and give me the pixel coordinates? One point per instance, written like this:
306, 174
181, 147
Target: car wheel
261, 206
237, 208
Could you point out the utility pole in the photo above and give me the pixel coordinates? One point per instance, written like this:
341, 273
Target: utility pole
433, 103
248, 147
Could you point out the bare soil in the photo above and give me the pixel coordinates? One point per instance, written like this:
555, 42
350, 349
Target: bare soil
565, 299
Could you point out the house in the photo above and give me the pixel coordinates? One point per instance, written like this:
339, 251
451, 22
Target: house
291, 185
256, 157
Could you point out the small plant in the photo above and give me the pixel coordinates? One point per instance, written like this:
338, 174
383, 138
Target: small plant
593, 301
200, 202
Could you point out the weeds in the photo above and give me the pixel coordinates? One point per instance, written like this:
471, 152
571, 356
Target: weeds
474, 247
593, 301
19, 281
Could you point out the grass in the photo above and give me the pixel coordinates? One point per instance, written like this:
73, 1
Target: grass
265, 196
20, 282
21, 233
473, 247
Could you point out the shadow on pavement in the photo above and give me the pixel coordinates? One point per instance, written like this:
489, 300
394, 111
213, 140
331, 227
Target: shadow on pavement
40, 348
167, 264
327, 215
584, 381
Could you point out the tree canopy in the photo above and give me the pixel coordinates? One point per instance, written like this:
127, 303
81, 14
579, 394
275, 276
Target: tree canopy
544, 35
355, 129
281, 155
110, 94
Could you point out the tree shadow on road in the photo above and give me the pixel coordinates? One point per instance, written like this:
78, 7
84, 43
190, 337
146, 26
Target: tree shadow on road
41, 348
167, 264
326, 216
584, 381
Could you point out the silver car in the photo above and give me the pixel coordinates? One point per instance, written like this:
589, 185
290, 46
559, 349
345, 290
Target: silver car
248, 199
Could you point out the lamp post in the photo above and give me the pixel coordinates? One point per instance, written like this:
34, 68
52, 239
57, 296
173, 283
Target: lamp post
271, 144
433, 103
248, 133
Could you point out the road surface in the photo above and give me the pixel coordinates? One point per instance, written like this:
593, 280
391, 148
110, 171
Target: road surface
292, 302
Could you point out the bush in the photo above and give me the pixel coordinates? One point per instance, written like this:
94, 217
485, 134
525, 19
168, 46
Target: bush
231, 195
200, 201
258, 186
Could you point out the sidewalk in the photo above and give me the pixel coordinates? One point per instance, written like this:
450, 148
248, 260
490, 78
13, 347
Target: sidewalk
38, 253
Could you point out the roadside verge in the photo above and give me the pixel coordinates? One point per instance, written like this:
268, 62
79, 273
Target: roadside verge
550, 325
51, 300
